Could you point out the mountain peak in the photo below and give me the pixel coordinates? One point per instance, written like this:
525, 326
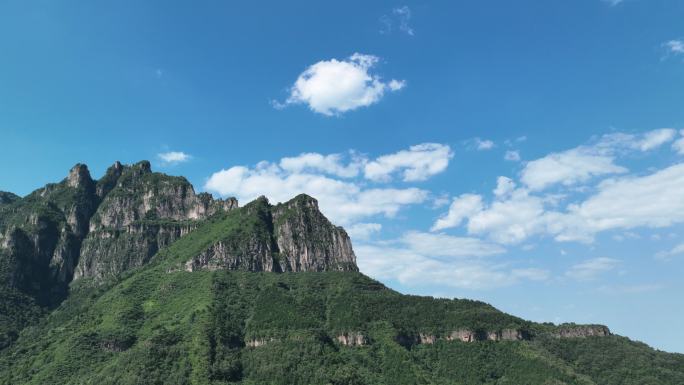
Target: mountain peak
79, 176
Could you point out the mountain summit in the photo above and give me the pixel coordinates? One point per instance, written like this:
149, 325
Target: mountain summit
136, 279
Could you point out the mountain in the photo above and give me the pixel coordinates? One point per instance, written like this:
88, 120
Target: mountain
136, 279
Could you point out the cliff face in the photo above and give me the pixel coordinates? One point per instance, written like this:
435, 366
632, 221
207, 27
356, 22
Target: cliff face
140, 212
98, 229
307, 241
289, 237
85, 228
41, 235
580, 331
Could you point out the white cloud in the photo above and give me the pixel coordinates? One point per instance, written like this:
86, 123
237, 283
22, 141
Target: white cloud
675, 46
592, 268
401, 16
504, 186
512, 156
417, 260
329, 164
342, 201
332, 87
363, 231
613, 2
404, 16
678, 145
567, 167
630, 202
668, 254
461, 208
334, 181
483, 144
396, 85
173, 157
442, 245
581, 164
653, 200
415, 164
656, 138
509, 221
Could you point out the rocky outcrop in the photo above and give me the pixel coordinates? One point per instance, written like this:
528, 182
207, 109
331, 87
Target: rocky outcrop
7, 197
463, 335
140, 212
86, 228
257, 342
307, 241
43, 232
352, 339
580, 331
289, 237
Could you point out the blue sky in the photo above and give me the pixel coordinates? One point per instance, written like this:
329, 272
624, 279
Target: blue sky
525, 153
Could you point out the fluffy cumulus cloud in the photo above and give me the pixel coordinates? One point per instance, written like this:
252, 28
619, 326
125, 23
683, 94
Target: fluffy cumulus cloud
332, 87
511, 220
652, 200
461, 208
626, 202
329, 164
568, 167
592, 268
580, 164
173, 157
415, 164
504, 186
363, 231
337, 182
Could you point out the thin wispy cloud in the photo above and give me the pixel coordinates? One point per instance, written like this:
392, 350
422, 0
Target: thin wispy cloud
173, 157
332, 87
424, 259
613, 3
512, 156
592, 268
665, 255
399, 19
675, 47
483, 144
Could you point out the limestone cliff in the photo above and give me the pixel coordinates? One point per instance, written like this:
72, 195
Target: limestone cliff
82, 227
41, 235
289, 237
140, 212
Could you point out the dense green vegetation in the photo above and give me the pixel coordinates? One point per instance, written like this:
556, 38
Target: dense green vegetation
160, 324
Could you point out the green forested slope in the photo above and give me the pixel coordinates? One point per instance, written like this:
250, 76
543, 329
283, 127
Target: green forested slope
160, 324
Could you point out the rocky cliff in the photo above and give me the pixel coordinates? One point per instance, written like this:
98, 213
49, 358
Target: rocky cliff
289, 237
83, 228
140, 212
80, 227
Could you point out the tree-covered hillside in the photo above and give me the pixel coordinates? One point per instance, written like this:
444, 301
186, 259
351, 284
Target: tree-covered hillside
214, 307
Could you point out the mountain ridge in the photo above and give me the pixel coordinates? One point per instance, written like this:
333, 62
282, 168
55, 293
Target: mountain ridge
170, 286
